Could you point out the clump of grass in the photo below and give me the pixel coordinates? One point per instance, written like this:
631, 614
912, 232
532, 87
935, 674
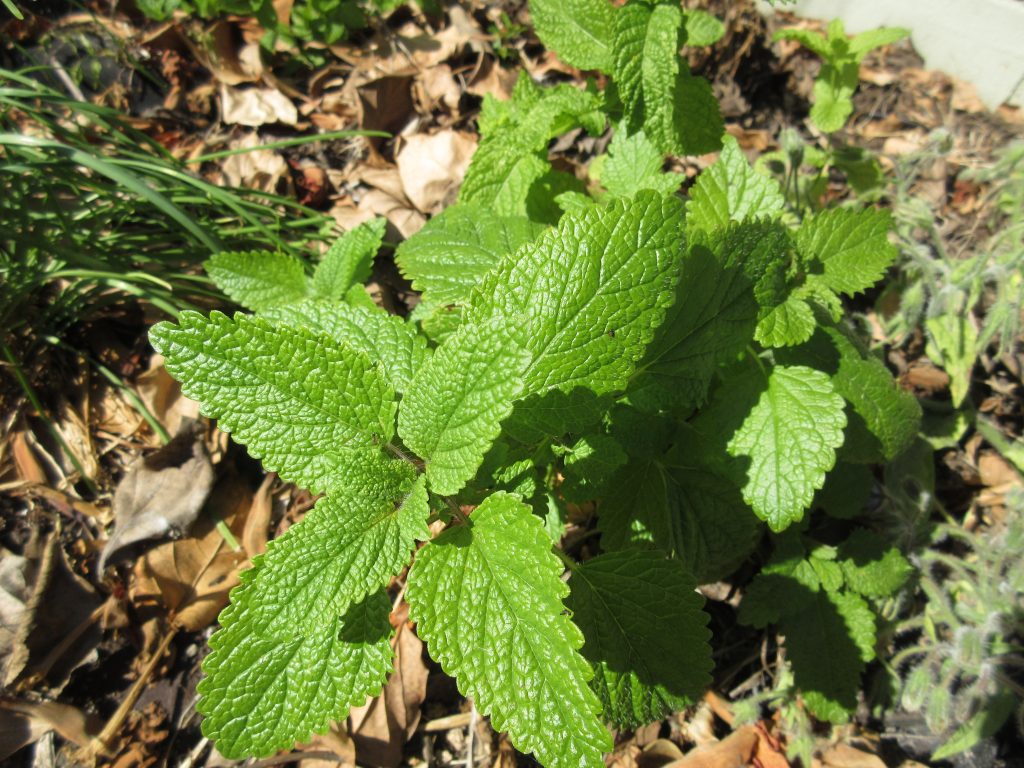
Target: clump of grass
98, 217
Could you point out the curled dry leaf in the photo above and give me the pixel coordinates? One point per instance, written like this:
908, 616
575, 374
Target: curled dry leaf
162, 395
25, 722
846, 756
228, 62
54, 629
658, 753
189, 579
256, 106
734, 751
161, 494
432, 167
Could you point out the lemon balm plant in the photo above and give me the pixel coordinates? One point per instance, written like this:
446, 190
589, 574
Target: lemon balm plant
682, 362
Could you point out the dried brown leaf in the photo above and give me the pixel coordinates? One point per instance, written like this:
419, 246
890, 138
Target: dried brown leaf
381, 727
161, 494
734, 751
256, 106
190, 579
57, 629
431, 168
25, 722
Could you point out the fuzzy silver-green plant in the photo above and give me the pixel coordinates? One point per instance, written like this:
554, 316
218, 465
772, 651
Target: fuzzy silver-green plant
965, 663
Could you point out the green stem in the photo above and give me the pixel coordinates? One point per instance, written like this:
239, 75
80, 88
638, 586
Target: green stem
571, 564
456, 512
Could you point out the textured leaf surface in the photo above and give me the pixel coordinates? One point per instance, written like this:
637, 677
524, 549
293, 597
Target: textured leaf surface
555, 413
456, 249
730, 190
304, 406
829, 635
634, 163
827, 662
676, 110
872, 566
646, 633
853, 246
579, 31
716, 531
589, 465
712, 320
886, 419
790, 438
383, 338
659, 65
791, 322
453, 408
682, 507
264, 692
258, 279
349, 259
487, 598
702, 28
350, 544
501, 175
588, 294
699, 126
305, 636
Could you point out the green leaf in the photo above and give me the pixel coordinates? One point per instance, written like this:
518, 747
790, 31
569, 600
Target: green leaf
555, 413
883, 420
852, 246
812, 41
579, 31
637, 508
876, 38
712, 320
953, 344
589, 465
791, 322
453, 408
588, 294
676, 110
730, 190
538, 114
646, 634
847, 491
699, 127
303, 405
383, 338
872, 566
984, 724
487, 598
258, 279
349, 260
659, 65
716, 531
824, 645
634, 163
833, 95
790, 438
351, 543
678, 504
702, 28
263, 692
501, 175
455, 249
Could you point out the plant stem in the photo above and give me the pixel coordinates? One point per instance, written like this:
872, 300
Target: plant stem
569, 562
